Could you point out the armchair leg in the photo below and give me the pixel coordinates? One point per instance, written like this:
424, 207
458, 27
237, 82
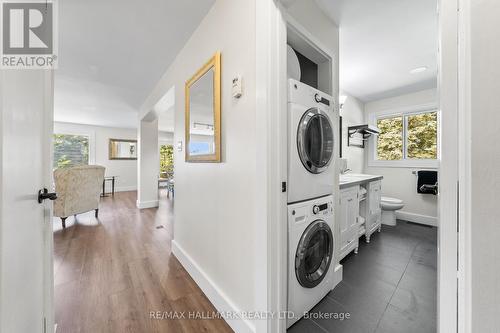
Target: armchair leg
63, 220
97, 213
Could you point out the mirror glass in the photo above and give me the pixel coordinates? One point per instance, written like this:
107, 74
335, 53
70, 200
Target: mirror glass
203, 110
201, 119
122, 149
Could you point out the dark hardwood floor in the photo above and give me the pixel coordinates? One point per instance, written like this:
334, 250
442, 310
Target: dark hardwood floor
112, 272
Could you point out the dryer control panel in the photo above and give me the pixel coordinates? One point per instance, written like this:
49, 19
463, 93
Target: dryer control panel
321, 100
307, 96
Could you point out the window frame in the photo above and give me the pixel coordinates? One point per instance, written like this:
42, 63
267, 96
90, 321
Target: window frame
90, 135
405, 162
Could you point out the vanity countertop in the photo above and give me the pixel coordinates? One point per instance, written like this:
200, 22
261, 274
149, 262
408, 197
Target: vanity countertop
353, 179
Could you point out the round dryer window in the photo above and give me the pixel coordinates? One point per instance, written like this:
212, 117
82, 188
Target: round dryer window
315, 140
314, 254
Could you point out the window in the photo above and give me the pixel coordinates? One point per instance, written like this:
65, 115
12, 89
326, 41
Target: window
390, 139
166, 159
407, 137
70, 150
421, 133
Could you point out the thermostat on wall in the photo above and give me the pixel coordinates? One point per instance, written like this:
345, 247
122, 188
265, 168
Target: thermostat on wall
237, 87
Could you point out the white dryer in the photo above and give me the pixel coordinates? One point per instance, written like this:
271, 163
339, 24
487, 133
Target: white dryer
311, 142
310, 255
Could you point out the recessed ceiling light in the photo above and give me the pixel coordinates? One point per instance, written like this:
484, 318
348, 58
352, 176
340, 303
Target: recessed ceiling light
418, 70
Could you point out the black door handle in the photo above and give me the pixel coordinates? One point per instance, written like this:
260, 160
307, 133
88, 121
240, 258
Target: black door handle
44, 194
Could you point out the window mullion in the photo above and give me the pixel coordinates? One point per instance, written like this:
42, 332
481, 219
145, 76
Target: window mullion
405, 138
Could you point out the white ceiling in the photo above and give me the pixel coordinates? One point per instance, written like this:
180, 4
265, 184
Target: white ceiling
112, 53
381, 41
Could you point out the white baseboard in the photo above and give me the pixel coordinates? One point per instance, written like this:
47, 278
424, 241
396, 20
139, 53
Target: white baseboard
338, 275
417, 218
147, 204
125, 188
221, 302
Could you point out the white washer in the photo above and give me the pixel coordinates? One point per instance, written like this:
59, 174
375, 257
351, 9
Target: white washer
311, 142
310, 255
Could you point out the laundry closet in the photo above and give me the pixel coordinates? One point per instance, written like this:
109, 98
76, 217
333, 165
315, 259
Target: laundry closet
312, 165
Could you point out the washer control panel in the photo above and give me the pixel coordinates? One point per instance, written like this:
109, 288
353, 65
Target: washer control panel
322, 209
308, 211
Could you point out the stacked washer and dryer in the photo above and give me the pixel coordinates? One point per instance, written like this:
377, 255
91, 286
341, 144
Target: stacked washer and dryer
311, 152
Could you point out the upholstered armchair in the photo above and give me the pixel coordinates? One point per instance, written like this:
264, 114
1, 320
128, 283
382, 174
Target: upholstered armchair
78, 190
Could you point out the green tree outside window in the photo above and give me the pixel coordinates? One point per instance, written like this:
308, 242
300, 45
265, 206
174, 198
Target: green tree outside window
422, 136
70, 150
166, 159
390, 139
412, 136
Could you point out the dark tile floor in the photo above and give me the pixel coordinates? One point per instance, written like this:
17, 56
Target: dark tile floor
390, 286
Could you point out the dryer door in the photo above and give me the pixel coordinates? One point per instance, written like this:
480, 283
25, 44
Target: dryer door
315, 140
314, 254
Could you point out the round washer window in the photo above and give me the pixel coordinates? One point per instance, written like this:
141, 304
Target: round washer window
315, 140
314, 254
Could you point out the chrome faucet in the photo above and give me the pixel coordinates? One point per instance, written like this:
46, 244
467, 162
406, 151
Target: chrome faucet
343, 172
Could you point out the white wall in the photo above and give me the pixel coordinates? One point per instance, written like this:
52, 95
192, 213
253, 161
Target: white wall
215, 202
99, 151
148, 164
400, 182
485, 165
166, 138
353, 113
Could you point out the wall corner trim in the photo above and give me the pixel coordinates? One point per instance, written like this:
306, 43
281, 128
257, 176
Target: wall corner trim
147, 204
214, 294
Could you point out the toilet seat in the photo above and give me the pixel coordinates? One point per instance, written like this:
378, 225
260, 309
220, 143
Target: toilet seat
391, 200
388, 203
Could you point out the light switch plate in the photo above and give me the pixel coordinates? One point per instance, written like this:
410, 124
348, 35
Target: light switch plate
237, 90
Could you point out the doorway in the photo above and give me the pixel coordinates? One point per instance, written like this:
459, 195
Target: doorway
440, 110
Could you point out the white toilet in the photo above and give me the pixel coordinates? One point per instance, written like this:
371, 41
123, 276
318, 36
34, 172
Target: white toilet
389, 207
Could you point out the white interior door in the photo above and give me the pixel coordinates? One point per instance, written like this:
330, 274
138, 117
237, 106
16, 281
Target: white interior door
26, 271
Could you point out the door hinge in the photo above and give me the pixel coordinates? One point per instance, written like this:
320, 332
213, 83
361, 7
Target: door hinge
283, 187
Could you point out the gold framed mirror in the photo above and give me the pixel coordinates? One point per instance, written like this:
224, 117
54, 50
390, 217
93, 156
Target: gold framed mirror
203, 112
122, 149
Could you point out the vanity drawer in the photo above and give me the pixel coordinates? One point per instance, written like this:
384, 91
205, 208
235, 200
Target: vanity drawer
346, 243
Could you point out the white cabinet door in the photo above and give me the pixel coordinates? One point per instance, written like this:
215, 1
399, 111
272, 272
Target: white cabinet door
374, 211
374, 198
349, 212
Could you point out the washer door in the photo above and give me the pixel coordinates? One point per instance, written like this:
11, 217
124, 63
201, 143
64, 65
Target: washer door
315, 140
314, 254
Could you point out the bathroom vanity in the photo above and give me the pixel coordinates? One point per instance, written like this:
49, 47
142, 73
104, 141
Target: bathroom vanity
360, 212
